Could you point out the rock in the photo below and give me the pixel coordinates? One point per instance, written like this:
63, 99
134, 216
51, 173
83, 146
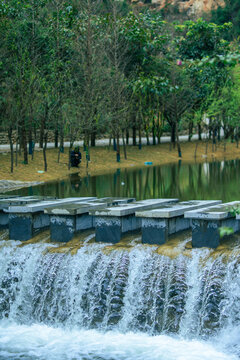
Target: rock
193, 7
8, 185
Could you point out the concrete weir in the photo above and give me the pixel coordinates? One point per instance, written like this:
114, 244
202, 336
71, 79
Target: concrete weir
114, 217
5, 202
112, 222
67, 220
205, 223
27, 220
158, 224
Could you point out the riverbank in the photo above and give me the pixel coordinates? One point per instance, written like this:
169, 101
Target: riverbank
103, 160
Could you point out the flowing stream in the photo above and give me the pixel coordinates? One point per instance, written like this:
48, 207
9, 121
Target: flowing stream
118, 304
124, 303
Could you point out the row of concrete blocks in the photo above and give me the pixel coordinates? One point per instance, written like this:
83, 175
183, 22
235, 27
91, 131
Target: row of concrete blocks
114, 217
205, 218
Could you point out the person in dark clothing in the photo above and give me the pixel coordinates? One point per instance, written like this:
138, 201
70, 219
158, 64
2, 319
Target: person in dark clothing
75, 157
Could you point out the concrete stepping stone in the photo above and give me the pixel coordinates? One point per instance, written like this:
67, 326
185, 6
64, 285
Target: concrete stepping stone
27, 220
112, 222
205, 223
67, 220
158, 224
18, 200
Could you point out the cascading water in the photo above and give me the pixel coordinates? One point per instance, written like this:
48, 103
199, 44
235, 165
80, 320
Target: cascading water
117, 305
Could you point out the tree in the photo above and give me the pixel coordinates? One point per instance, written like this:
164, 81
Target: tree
229, 13
117, 59
179, 100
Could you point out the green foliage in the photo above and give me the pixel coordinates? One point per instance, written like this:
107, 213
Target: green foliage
229, 13
201, 39
225, 231
145, 35
88, 67
234, 210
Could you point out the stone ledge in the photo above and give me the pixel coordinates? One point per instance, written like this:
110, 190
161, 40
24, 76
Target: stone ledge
40, 206
173, 210
213, 212
129, 209
8, 185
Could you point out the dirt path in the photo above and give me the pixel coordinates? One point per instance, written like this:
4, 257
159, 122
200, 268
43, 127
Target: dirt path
104, 160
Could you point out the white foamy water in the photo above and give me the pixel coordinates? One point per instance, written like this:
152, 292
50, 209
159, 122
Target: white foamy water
47, 343
117, 305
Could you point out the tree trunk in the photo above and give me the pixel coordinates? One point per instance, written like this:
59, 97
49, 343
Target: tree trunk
173, 134
24, 141
35, 133
114, 144
147, 135
153, 133
232, 134
140, 138
127, 136
219, 133
214, 140
33, 149
11, 146
190, 130
69, 157
86, 142
134, 135
199, 132
42, 126
118, 149
62, 140
30, 142
159, 133
124, 146
93, 138
16, 158
178, 142
41, 135
61, 147
44, 150
224, 131
19, 141
56, 138
210, 133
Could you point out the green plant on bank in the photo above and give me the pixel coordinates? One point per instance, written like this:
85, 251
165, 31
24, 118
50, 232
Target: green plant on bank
225, 230
234, 210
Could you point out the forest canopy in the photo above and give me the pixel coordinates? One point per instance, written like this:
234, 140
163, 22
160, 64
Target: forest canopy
81, 69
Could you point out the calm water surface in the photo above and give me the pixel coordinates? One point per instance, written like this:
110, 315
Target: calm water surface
214, 180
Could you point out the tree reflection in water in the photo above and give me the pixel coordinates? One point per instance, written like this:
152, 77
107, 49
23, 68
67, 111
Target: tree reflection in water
213, 180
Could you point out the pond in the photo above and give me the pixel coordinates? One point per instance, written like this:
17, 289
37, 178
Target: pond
209, 180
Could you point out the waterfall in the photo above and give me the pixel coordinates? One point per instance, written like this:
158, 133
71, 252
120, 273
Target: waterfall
135, 291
